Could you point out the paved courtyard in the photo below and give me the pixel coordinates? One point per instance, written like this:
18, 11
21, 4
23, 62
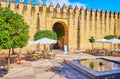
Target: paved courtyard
49, 68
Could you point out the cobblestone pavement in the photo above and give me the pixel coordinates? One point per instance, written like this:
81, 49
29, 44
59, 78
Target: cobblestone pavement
49, 68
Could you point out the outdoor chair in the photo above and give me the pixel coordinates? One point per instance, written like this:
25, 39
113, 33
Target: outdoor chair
51, 54
47, 54
28, 56
35, 57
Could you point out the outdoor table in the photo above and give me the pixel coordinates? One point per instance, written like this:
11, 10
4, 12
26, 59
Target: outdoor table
12, 57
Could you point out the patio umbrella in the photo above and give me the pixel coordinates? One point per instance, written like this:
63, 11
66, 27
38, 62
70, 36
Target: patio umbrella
45, 41
114, 41
31, 42
102, 40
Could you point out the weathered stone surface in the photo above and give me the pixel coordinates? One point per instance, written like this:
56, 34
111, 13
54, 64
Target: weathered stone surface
91, 23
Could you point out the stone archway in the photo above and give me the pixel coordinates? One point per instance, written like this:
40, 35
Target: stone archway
61, 29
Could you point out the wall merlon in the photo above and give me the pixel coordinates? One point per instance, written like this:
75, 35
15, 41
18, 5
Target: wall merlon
36, 9
82, 11
76, 7
29, 8
81, 8
76, 10
21, 9
44, 4
58, 8
51, 7
58, 5
97, 10
106, 14
3, 4
102, 11
64, 11
64, 8
44, 7
87, 11
92, 12
111, 14
97, 13
70, 9
12, 6
102, 15
115, 14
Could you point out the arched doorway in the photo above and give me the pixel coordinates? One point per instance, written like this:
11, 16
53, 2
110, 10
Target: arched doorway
61, 29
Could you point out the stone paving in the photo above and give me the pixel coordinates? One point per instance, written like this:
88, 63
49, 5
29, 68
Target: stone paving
49, 68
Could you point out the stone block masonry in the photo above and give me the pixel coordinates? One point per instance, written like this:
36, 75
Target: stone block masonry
79, 25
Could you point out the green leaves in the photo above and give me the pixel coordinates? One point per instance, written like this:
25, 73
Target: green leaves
14, 32
60, 34
45, 33
119, 37
108, 37
92, 40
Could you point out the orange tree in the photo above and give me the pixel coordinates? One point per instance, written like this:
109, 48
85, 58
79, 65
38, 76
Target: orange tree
14, 32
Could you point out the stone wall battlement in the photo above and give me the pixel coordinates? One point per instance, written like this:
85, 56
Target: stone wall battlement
64, 11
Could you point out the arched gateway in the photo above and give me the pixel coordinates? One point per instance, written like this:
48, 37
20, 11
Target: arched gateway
62, 32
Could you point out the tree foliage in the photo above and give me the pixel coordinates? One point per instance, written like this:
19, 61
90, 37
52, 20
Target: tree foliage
108, 37
119, 37
92, 40
14, 32
45, 34
60, 34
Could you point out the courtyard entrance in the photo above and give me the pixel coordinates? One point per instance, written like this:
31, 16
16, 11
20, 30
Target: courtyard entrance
62, 34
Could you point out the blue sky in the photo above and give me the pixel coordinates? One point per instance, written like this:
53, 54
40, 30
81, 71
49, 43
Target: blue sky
113, 5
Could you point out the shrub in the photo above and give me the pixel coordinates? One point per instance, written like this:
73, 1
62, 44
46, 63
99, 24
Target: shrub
45, 34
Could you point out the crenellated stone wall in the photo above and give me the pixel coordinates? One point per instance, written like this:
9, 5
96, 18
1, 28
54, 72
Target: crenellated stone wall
79, 25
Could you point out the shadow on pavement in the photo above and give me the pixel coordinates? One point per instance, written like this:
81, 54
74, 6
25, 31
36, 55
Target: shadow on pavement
3, 71
68, 72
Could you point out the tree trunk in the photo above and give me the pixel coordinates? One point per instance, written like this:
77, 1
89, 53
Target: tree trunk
13, 51
92, 46
9, 59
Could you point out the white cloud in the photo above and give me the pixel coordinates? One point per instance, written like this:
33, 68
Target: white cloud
61, 2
